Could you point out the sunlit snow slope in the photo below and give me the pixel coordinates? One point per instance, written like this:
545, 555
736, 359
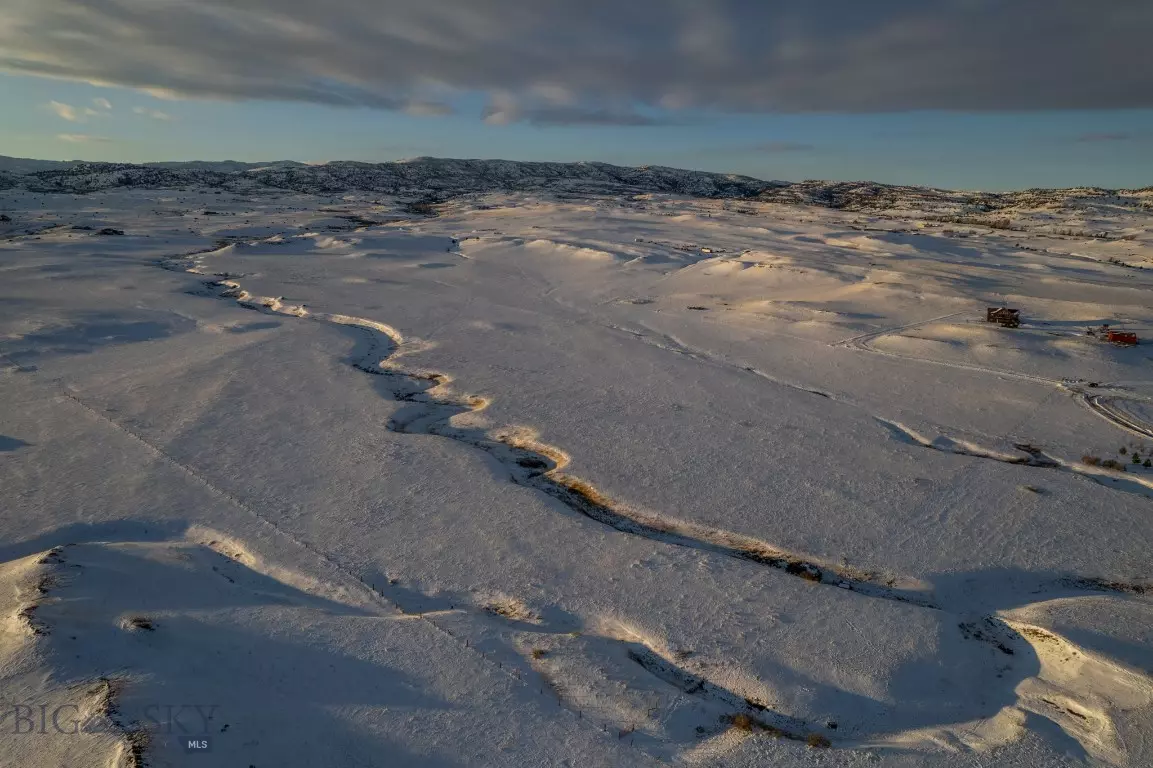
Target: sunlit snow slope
567, 478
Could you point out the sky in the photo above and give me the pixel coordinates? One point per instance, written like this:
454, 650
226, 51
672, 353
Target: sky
975, 94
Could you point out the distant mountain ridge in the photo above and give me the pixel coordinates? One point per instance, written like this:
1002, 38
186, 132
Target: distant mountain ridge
223, 166
22, 166
425, 177
438, 179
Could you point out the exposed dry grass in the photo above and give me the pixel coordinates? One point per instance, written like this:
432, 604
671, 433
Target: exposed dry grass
511, 608
136, 739
741, 722
27, 614
749, 724
806, 571
53, 556
1112, 586
584, 489
980, 221
139, 623
422, 208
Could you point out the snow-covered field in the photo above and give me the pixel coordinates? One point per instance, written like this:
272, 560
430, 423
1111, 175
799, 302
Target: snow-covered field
550, 480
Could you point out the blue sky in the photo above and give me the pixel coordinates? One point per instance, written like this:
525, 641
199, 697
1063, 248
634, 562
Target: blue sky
926, 93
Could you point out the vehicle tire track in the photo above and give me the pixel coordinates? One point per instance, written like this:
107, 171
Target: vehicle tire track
858, 342
672, 344
1096, 403
864, 347
1103, 407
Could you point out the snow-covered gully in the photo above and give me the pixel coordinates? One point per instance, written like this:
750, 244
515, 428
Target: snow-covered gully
540, 466
1030, 456
534, 464
530, 462
991, 634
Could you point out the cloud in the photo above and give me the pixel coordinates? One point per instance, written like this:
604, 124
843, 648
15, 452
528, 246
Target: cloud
555, 62
65, 111
102, 103
1104, 137
82, 138
428, 109
558, 115
155, 114
73, 114
504, 110
782, 146
163, 94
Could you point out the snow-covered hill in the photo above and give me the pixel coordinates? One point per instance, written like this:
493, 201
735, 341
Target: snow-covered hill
443, 179
635, 479
434, 177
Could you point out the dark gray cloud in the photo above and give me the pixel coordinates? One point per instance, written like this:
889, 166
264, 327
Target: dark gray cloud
558, 62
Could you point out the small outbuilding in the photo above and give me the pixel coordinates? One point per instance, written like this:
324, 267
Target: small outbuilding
1124, 338
1116, 336
1007, 318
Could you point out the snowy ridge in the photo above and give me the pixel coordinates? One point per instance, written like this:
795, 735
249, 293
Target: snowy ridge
423, 177
861, 196
442, 179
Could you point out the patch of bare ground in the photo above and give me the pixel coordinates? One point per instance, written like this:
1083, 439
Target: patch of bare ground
134, 738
